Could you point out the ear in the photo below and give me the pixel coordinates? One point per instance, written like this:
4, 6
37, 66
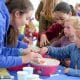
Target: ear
17, 14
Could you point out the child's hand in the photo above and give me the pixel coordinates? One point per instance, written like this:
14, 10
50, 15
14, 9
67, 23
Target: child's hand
31, 57
43, 50
43, 40
34, 48
66, 70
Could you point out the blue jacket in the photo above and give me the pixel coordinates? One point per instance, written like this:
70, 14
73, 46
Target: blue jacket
21, 37
71, 51
9, 57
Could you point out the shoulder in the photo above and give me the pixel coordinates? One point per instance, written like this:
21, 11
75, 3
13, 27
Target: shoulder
56, 26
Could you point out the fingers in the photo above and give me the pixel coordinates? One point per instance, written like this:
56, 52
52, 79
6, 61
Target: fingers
44, 41
48, 41
43, 50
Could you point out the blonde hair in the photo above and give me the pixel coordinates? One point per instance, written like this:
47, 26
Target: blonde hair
48, 7
75, 23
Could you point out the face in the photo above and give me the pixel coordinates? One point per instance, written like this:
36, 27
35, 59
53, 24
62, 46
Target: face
69, 31
67, 28
23, 19
60, 17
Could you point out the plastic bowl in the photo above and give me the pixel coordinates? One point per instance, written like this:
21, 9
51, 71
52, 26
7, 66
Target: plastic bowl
47, 69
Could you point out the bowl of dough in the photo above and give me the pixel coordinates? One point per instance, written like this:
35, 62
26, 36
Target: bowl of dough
46, 67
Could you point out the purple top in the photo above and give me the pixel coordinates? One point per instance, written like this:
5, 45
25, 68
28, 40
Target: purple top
63, 41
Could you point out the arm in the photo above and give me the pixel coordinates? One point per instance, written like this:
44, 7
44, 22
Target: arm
54, 31
10, 51
57, 43
21, 44
21, 37
14, 51
60, 53
2, 30
9, 61
73, 72
51, 33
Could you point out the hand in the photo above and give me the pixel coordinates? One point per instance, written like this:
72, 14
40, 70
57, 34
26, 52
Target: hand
66, 70
26, 40
37, 58
27, 51
30, 57
43, 40
43, 50
35, 49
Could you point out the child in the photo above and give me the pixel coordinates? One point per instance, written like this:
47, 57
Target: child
72, 51
64, 41
29, 30
20, 14
61, 11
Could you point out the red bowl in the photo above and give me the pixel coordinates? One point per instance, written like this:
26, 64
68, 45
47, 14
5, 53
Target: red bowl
47, 69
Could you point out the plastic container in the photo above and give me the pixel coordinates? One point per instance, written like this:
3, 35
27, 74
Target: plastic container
22, 75
33, 77
46, 69
29, 70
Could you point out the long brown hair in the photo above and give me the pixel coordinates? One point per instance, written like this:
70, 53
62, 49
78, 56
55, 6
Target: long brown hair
23, 6
12, 36
48, 8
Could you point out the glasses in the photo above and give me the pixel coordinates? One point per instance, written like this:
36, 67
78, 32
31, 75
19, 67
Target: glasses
29, 18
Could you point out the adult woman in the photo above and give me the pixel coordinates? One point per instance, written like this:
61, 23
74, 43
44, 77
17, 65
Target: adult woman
10, 56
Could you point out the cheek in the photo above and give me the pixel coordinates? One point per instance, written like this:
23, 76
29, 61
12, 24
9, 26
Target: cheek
60, 22
76, 41
23, 21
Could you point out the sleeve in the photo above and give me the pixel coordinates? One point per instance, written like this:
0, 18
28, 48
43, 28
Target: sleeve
56, 43
2, 30
53, 31
21, 37
74, 72
13, 51
10, 51
21, 44
39, 9
59, 52
9, 61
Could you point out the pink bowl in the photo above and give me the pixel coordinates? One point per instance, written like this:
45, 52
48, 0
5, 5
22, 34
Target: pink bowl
47, 69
